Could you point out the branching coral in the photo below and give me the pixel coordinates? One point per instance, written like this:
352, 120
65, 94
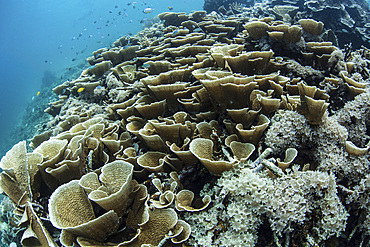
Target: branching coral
244, 198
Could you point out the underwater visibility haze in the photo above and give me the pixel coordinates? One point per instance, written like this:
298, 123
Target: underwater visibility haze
44, 39
185, 123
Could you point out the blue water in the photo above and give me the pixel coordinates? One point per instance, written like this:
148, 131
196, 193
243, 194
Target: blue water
46, 35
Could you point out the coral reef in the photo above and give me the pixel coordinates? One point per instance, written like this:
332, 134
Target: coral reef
346, 21
10, 232
203, 130
231, 5
245, 197
347, 18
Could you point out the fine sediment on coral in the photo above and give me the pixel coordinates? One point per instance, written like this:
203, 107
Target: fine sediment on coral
207, 130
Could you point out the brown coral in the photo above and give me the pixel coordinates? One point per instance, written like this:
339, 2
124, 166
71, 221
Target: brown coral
199, 96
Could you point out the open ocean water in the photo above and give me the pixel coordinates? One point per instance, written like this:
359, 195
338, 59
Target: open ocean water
46, 42
41, 40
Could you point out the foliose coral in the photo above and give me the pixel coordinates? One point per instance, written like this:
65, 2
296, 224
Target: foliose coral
206, 130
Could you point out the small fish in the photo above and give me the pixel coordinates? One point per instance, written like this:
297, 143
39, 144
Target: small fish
46, 61
80, 89
147, 10
175, 32
143, 20
110, 11
116, 7
170, 8
33, 109
38, 93
73, 59
145, 65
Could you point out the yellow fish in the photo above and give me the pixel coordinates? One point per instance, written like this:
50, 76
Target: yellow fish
80, 89
38, 93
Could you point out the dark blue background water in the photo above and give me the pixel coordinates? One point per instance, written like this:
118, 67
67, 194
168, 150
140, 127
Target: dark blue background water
46, 35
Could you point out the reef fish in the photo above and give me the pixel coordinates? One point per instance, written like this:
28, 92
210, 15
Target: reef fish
80, 89
38, 93
147, 10
175, 32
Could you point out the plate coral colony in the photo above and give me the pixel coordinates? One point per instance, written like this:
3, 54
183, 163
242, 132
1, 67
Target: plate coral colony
203, 130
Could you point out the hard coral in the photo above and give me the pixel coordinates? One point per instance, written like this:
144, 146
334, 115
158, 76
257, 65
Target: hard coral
244, 110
